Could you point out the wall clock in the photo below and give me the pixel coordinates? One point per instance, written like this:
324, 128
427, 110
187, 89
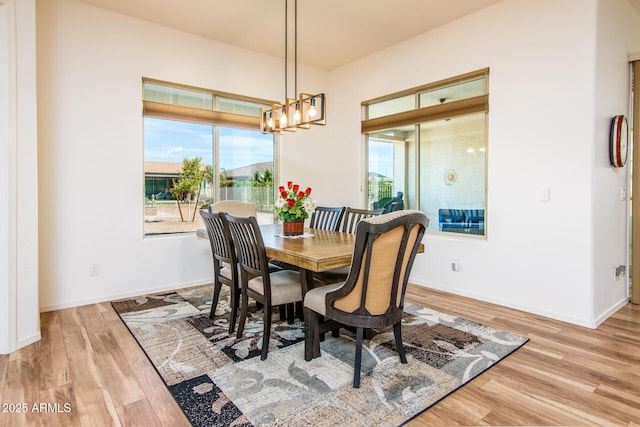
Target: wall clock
618, 146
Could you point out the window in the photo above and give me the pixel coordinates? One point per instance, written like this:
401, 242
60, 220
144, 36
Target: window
201, 146
426, 149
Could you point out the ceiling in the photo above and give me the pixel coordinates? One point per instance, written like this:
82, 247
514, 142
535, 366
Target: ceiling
331, 33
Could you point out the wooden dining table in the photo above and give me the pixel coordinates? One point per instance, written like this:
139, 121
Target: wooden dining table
316, 251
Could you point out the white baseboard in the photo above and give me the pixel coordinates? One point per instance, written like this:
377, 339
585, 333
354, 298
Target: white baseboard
28, 340
112, 297
604, 316
587, 323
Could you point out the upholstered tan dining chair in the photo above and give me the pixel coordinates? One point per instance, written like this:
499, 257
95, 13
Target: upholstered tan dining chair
373, 294
224, 257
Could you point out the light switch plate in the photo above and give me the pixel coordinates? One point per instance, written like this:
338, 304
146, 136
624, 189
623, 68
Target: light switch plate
544, 194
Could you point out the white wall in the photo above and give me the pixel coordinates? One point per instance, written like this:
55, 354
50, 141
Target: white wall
545, 130
90, 65
20, 320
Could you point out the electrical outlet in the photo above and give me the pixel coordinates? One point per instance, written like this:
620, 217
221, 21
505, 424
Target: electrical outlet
94, 270
620, 271
623, 193
455, 264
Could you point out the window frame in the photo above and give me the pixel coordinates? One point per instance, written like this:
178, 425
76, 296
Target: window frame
213, 117
420, 115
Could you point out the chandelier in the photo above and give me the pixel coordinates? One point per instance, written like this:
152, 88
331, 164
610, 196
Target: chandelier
294, 113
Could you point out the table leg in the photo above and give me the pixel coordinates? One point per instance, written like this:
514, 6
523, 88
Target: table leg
306, 280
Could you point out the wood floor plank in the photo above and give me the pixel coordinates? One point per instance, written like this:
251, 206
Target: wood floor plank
583, 405
116, 376
631, 399
4, 361
140, 410
93, 402
456, 409
22, 386
57, 407
539, 410
549, 370
565, 374
54, 363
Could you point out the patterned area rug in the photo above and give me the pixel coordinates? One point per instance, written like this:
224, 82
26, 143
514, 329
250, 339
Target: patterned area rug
218, 381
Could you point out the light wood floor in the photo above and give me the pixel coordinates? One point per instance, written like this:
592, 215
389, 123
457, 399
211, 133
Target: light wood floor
565, 375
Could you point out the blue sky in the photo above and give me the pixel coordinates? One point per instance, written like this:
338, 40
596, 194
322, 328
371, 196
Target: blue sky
172, 141
381, 158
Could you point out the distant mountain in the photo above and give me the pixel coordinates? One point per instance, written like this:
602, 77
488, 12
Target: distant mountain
247, 172
172, 169
379, 176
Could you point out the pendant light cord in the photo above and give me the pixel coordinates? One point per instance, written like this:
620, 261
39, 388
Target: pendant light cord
295, 33
286, 46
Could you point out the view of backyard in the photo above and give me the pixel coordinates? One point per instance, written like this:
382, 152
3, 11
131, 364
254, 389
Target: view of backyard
171, 216
165, 216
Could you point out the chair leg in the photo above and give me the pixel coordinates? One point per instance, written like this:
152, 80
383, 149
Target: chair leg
300, 310
235, 302
397, 333
290, 314
311, 338
266, 332
356, 367
243, 314
282, 308
216, 295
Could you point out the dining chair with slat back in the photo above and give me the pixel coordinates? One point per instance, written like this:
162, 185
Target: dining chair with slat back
326, 218
225, 263
350, 221
245, 209
373, 294
353, 216
271, 289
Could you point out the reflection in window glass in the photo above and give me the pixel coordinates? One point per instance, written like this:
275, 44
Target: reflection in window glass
236, 106
452, 173
451, 93
177, 96
392, 106
389, 152
380, 172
